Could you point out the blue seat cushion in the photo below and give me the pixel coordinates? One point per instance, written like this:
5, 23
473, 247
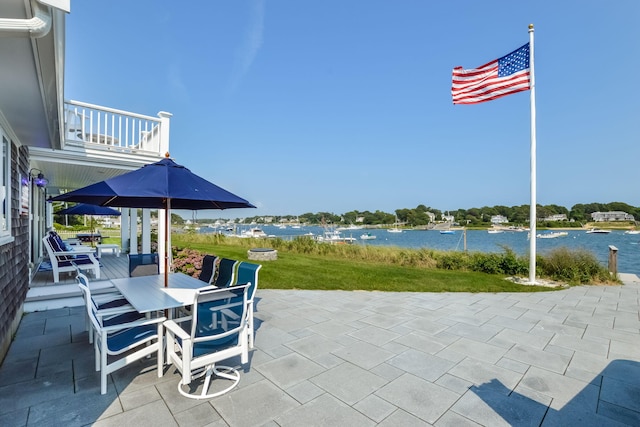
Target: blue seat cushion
130, 316
202, 348
123, 339
78, 261
114, 303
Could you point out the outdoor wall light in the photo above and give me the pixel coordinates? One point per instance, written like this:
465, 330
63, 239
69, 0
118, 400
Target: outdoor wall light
39, 180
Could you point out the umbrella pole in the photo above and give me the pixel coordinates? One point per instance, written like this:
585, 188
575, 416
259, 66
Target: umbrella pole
166, 243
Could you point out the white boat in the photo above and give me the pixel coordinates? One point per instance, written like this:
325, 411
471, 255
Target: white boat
632, 232
552, 235
254, 232
598, 231
447, 232
495, 231
395, 228
334, 236
367, 236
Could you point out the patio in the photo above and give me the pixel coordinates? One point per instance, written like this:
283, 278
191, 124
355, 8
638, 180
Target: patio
570, 357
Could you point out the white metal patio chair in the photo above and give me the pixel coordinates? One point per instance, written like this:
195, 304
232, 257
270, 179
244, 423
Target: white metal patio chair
248, 273
209, 268
112, 307
115, 338
197, 342
68, 261
226, 273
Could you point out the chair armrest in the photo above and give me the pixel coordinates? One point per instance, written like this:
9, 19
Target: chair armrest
67, 253
141, 322
176, 330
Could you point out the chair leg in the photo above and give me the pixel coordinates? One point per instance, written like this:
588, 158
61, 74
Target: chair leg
103, 372
250, 328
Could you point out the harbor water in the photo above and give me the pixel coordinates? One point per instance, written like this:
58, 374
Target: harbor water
628, 245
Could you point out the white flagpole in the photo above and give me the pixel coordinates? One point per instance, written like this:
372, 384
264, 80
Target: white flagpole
532, 210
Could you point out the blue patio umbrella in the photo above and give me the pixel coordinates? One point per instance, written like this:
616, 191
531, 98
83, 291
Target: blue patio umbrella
86, 209
161, 185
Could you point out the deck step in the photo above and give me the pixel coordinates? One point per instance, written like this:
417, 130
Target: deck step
60, 296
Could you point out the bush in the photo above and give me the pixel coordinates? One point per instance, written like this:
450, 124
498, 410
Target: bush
573, 267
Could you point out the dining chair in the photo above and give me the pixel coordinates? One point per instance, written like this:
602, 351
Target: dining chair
108, 304
226, 273
248, 273
209, 268
143, 265
116, 336
197, 342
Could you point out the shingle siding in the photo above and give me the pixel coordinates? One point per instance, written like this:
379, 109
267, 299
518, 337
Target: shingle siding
14, 257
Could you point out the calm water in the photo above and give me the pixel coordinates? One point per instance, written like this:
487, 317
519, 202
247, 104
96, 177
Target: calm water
481, 241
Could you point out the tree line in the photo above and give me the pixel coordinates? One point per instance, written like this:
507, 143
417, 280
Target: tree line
420, 215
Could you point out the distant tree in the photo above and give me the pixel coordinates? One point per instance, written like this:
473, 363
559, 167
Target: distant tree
176, 219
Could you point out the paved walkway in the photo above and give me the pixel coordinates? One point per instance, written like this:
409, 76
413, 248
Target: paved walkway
332, 358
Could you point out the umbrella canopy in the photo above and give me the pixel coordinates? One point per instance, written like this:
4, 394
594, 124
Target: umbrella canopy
161, 185
86, 209
153, 186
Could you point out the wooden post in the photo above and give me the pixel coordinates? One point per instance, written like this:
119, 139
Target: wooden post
613, 260
464, 232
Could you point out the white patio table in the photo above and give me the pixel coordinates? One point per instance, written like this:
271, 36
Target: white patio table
147, 293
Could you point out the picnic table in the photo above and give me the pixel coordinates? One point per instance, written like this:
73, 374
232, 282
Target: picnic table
89, 237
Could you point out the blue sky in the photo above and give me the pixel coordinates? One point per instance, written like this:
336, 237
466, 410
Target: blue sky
334, 106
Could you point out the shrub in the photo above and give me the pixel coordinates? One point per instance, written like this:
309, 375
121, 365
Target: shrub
573, 267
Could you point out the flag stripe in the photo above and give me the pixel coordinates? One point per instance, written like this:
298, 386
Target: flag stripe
495, 79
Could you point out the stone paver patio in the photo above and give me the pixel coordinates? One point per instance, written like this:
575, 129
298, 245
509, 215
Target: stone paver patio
569, 357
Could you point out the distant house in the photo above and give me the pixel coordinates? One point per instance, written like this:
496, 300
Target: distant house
556, 217
448, 218
499, 219
360, 219
611, 216
432, 216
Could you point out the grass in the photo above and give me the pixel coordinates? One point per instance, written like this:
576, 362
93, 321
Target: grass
346, 267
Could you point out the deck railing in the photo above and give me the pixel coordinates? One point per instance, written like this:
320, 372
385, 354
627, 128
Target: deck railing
104, 127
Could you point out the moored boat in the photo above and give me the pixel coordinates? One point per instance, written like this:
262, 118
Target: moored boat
598, 231
254, 233
552, 235
367, 236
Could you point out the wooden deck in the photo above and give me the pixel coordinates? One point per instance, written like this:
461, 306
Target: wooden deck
113, 267
44, 294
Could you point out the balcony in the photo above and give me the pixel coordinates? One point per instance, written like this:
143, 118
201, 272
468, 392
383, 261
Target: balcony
100, 143
93, 126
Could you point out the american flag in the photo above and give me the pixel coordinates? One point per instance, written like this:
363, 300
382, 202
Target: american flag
503, 76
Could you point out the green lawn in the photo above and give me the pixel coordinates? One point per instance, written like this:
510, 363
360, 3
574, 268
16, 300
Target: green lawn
327, 272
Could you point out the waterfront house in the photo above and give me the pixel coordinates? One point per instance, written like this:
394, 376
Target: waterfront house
50, 145
556, 217
499, 219
611, 216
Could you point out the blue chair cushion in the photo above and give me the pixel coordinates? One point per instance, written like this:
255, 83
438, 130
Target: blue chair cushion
123, 339
130, 316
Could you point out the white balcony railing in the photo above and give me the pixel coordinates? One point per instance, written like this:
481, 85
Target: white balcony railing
93, 125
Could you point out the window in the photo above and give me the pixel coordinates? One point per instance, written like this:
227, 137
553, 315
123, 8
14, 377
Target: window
5, 187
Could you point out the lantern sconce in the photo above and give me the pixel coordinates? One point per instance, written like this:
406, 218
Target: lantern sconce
39, 180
